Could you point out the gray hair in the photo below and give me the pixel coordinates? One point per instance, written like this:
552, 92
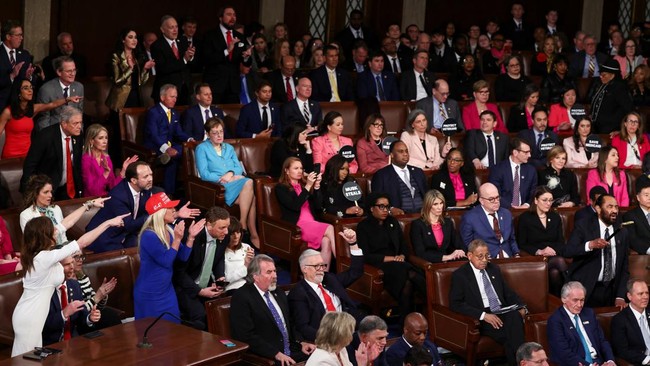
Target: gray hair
306, 254
370, 323
254, 267
67, 112
525, 351
61, 35
165, 18
569, 286
411, 118
165, 88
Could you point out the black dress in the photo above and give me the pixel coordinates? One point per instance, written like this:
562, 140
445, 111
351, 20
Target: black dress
564, 185
508, 89
334, 202
532, 235
280, 151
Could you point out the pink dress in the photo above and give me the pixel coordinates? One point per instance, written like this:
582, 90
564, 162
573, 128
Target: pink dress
312, 230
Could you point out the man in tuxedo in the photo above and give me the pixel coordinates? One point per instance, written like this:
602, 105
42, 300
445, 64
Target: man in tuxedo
302, 110
586, 63
65, 48
640, 231
486, 147
376, 81
574, 334
260, 118
536, 134
320, 291
354, 32
173, 60
68, 316
330, 82
630, 332
259, 316
417, 82
479, 291
490, 223
408, 194
394, 60
65, 86
194, 118
514, 178
415, 335
600, 263
283, 81
439, 107
195, 279
56, 152
15, 62
517, 30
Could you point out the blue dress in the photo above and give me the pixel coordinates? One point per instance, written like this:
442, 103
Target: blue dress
212, 167
154, 293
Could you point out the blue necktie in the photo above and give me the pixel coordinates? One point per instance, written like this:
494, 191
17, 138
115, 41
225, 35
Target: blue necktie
280, 324
243, 94
493, 299
380, 89
583, 339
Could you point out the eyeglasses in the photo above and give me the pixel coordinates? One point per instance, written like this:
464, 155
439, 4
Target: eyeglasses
482, 257
491, 199
483, 92
378, 125
633, 121
19, 35
217, 133
524, 151
73, 71
318, 267
382, 207
79, 257
455, 160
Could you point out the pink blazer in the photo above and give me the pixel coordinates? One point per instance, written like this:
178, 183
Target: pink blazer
576, 159
557, 116
370, 157
323, 150
620, 188
417, 157
93, 177
622, 62
472, 121
621, 146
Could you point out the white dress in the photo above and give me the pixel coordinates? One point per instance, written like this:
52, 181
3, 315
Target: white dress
38, 286
31, 212
235, 270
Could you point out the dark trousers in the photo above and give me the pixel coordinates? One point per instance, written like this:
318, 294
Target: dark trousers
192, 309
601, 295
510, 335
171, 170
61, 194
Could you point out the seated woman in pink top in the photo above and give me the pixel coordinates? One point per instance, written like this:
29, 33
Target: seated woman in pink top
472, 111
631, 143
330, 141
16, 120
608, 176
96, 166
577, 155
370, 156
8, 261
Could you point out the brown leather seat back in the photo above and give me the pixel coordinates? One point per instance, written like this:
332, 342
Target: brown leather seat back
270, 205
132, 124
218, 314
350, 115
581, 175
604, 316
526, 57
11, 171
189, 159
583, 85
256, 154
442, 281
231, 112
79, 228
96, 90
504, 109
519, 274
395, 113
11, 288
12, 222
114, 264
632, 175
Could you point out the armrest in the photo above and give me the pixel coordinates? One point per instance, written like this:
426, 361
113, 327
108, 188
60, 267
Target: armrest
204, 194
420, 263
453, 330
279, 222
280, 237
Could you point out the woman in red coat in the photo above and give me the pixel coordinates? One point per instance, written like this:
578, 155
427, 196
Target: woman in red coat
631, 144
370, 156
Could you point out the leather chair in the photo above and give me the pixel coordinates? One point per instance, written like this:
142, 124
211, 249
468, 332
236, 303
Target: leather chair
231, 112
11, 288
96, 90
350, 116
11, 170
583, 85
255, 154
504, 109
526, 59
394, 113
202, 194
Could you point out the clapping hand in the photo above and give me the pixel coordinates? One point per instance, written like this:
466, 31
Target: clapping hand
195, 228
73, 307
349, 235
128, 162
95, 314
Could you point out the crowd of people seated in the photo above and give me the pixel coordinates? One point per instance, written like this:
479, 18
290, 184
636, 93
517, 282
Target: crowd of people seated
279, 82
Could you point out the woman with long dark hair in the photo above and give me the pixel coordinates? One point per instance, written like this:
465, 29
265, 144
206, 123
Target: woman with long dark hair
331, 140
294, 143
521, 115
369, 152
608, 175
575, 146
337, 173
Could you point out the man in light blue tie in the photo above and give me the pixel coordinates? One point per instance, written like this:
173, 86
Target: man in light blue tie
574, 334
630, 331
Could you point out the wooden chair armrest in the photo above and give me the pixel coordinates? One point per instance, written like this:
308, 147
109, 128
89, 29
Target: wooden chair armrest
420, 262
452, 330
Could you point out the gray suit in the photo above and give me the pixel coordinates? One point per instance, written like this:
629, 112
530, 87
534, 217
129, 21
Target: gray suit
451, 106
52, 91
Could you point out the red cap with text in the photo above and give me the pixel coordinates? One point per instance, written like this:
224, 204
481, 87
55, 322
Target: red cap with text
159, 201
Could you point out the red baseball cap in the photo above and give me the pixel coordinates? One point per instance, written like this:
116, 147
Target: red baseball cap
159, 201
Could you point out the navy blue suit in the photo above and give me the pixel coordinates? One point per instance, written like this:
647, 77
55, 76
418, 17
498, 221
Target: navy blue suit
321, 89
121, 202
384, 180
501, 177
54, 325
250, 120
192, 121
397, 352
475, 225
291, 114
367, 85
537, 157
564, 342
6, 69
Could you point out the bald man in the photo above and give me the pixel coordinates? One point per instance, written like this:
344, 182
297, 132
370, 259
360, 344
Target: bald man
490, 223
415, 334
439, 107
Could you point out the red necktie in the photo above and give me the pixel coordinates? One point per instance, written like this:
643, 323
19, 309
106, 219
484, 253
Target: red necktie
228, 42
289, 91
67, 333
175, 50
68, 169
329, 304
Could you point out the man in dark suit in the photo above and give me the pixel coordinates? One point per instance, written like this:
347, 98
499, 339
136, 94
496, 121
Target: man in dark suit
223, 50
330, 82
630, 332
65, 48
244, 87
574, 334
407, 195
164, 135
173, 61
283, 81
15, 62
590, 210
358, 62
478, 290
520, 32
640, 231
68, 315
416, 83
442, 55
439, 107
65, 86
56, 152
514, 178
600, 265
415, 335
585, 64
189, 39
302, 110
194, 279
260, 118
394, 60
490, 223
376, 81
259, 316
354, 32
320, 291
535, 135
193, 119
486, 147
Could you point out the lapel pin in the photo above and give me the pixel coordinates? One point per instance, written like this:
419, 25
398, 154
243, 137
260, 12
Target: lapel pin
586, 322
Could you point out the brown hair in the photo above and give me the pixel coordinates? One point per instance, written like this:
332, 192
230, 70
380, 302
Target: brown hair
369, 121
212, 123
35, 185
639, 132
38, 236
283, 173
235, 227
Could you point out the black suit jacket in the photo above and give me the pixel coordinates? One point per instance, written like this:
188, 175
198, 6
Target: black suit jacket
626, 336
442, 182
186, 272
385, 180
221, 71
587, 265
170, 70
522, 39
45, 156
291, 203
193, 125
367, 86
251, 321
537, 157
578, 63
476, 145
307, 310
54, 325
408, 86
465, 296
639, 232
404, 58
347, 39
321, 90
424, 242
291, 114
445, 63
278, 81
20, 55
